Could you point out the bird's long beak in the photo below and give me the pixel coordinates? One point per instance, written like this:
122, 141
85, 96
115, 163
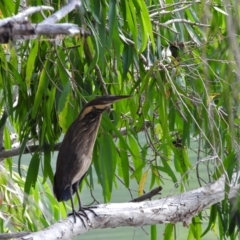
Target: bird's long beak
108, 100
118, 97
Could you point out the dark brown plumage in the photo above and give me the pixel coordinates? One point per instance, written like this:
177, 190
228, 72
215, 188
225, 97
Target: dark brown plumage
75, 153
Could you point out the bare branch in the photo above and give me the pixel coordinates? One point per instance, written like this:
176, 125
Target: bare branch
59, 29
172, 209
18, 27
148, 195
29, 149
20, 17
32, 148
182, 21
13, 235
72, 4
157, 13
25, 30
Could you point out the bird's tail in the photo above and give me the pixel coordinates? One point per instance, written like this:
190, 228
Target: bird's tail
62, 193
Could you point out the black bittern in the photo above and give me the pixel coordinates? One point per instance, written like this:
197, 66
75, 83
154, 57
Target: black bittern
75, 153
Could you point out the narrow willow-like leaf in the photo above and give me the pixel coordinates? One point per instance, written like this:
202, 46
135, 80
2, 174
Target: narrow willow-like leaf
22, 148
64, 76
220, 10
124, 161
102, 161
136, 157
32, 173
198, 227
144, 82
108, 162
96, 162
63, 97
142, 183
186, 160
138, 172
230, 164
42, 85
127, 58
7, 145
16, 76
145, 23
10, 5
47, 169
66, 116
168, 232
190, 234
193, 34
153, 232
17, 6
131, 19
167, 169
212, 219
30, 63
118, 134
112, 19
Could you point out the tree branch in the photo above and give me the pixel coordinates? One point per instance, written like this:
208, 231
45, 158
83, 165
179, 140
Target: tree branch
29, 149
181, 21
32, 148
64, 11
18, 27
148, 195
21, 17
171, 209
13, 235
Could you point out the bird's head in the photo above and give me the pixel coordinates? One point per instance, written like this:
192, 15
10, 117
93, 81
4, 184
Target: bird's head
101, 104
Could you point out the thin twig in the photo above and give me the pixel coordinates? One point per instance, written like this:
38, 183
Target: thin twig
182, 21
158, 13
32, 148
15, 151
148, 195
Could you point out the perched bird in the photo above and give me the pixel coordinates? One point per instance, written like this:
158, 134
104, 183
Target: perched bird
75, 153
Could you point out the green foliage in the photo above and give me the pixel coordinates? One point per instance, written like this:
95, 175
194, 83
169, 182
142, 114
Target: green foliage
22, 212
180, 63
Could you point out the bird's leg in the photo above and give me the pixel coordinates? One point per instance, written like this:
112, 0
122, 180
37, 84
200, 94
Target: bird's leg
74, 213
82, 209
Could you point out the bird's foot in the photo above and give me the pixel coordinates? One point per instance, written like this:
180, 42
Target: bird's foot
83, 209
80, 215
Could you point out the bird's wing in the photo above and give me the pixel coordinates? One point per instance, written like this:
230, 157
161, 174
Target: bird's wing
74, 158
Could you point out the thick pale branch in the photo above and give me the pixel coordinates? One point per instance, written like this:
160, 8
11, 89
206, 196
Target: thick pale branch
172, 209
65, 10
18, 27
20, 17
13, 235
59, 29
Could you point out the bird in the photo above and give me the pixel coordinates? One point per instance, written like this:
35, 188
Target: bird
75, 152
